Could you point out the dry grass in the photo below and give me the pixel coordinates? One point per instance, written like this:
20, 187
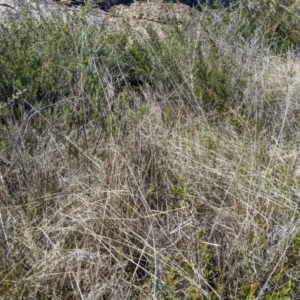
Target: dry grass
182, 205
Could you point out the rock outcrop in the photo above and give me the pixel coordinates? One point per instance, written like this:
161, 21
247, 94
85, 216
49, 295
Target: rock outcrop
9, 9
107, 4
12, 10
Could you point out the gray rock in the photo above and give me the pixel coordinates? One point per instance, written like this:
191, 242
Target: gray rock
13, 10
10, 9
209, 3
107, 4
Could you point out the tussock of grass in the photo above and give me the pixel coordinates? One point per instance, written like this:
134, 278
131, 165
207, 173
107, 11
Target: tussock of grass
164, 168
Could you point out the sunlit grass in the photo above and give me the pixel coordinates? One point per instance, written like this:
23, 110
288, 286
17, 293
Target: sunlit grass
159, 167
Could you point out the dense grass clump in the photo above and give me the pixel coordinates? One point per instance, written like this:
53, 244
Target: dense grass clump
150, 160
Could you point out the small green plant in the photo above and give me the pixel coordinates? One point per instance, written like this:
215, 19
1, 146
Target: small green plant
173, 282
187, 267
181, 191
170, 281
250, 291
204, 247
296, 244
195, 293
238, 122
284, 293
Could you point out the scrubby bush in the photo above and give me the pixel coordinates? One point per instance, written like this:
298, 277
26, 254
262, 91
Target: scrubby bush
278, 22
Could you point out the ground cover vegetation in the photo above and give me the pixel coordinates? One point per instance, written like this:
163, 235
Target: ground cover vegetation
153, 165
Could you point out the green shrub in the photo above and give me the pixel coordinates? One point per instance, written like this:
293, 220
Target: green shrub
213, 81
38, 58
277, 22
